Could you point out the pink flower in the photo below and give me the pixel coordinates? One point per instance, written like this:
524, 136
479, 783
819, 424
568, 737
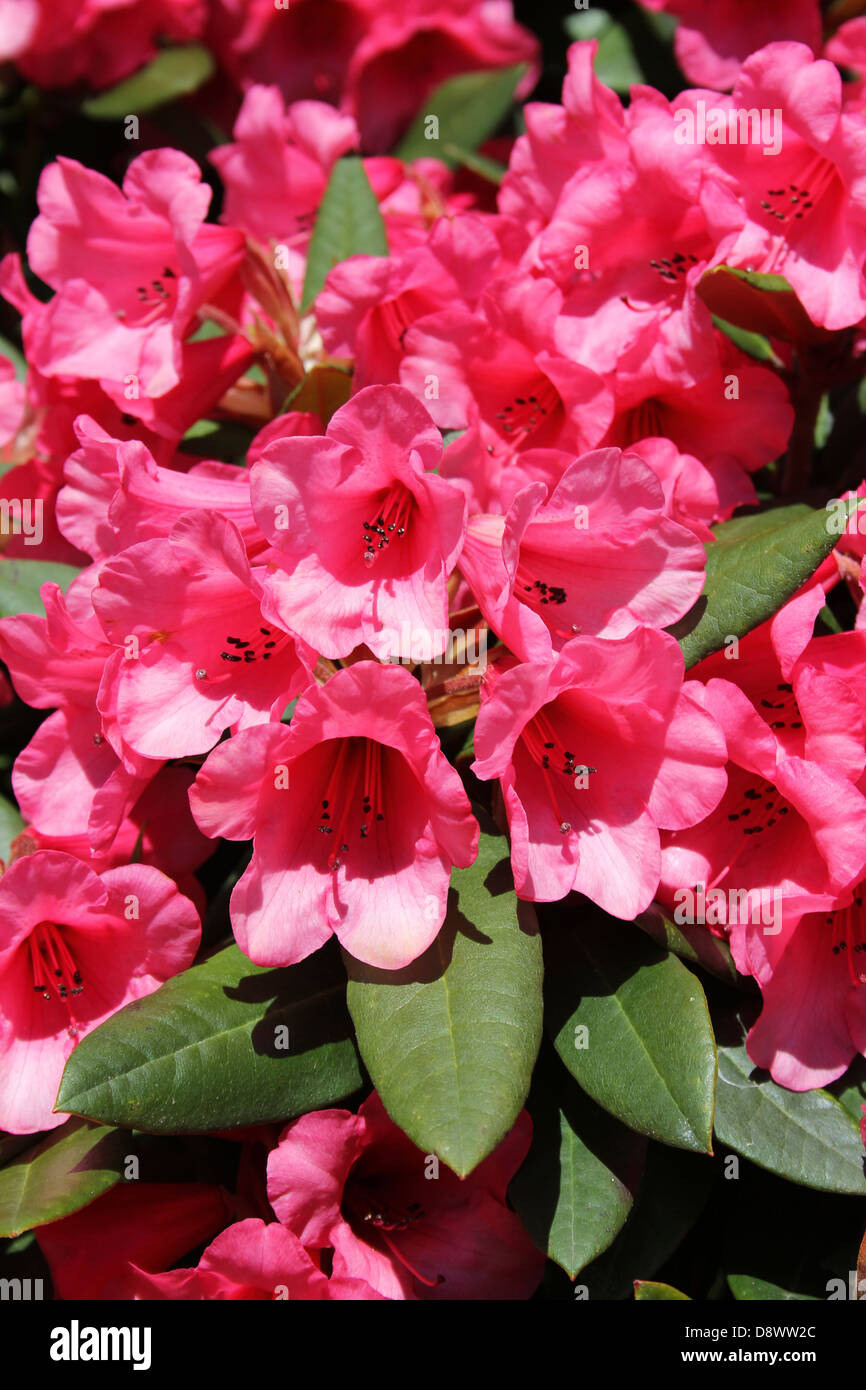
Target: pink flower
366, 534
502, 364
786, 826
597, 556
812, 976
806, 205
139, 1226
595, 749
357, 818
116, 495
368, 303
560, 141
251, 1261
377, 63
356, 1185
711, 41
277, 169
76, 776
97, 41
197, 655
737, 416
131, 268
74, 948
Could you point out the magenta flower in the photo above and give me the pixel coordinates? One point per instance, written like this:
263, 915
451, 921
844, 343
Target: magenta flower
595, 749
365, 531
812, 976
198, 655
786, 826
711, 41
597, 556
356, 1184
130, 269
805, 206
502, 363
74, 948
357, 818
252, 1260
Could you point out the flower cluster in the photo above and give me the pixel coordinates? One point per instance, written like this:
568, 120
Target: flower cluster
475, 489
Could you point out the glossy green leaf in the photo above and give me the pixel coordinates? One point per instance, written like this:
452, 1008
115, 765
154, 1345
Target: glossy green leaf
755, 564
205, 1051
21, 580
630, 1022
68, 1169
11, 825
174, 73
348, 223
674, 1190
745, 1287
694, 944
805, 1136
616, 63
468, 108
646, 1291
576, 1186
450, 1041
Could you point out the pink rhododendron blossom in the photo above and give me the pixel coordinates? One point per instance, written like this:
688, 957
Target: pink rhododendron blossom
377, 62
252, 1260
75, 947
101, 1251
357, 818
812, 977
76, 776
131, 268
786, 825
365, 532
596, 556
596, 749
97, 41
198, 656
805, 208
356, 1184
711, 41
502, 362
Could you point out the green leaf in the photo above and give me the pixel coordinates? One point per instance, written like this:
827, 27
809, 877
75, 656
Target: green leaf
479, 164
204, 1052
763, 304
469, 108
576, 1187
850, 1089
745, 1287
451, 1040
645, 1291
174, 73
755, 344
615, 62
21, 580
11, 825
674, 1191
15, 356
691, 943
805, 1136
755, 564
348, 223
631, 1024
71, 1167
